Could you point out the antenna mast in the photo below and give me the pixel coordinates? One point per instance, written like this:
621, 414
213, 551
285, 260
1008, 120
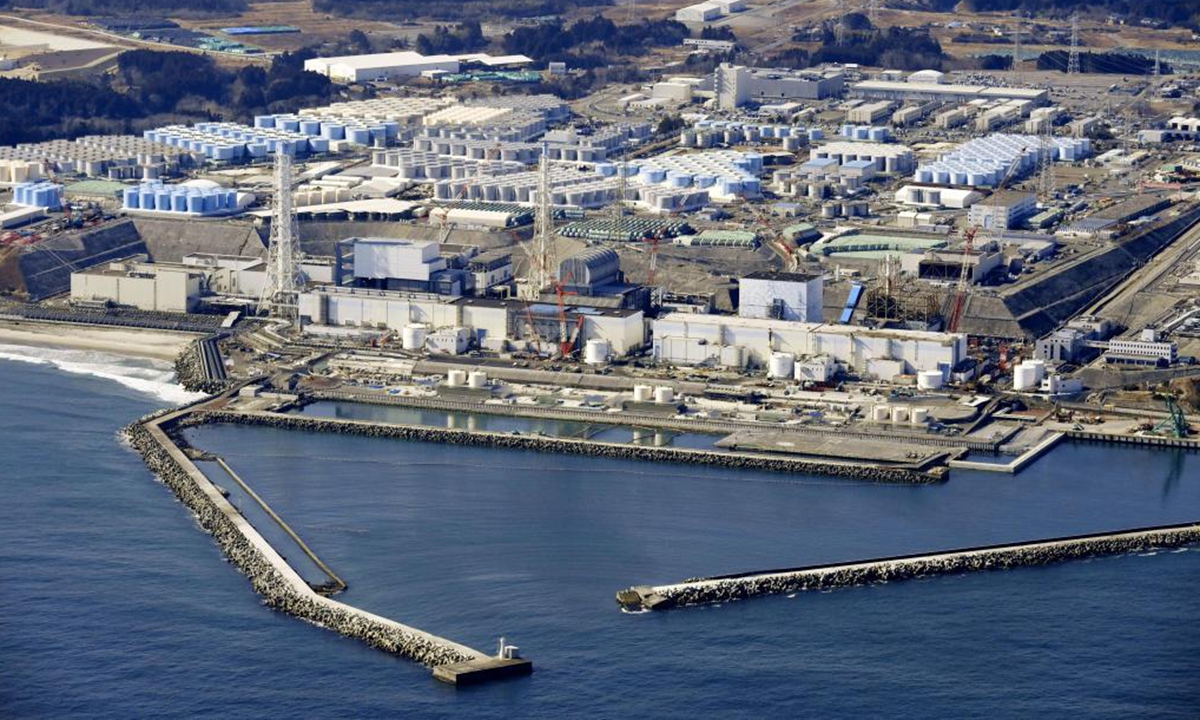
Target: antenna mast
280, 295
1073, 59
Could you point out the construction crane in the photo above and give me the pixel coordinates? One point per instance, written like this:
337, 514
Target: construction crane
1175, 423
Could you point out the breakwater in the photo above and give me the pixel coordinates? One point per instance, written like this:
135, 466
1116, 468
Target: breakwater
702, 591
199, 367
541, 443
270, 575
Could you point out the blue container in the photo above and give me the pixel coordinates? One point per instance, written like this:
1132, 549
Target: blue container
318, 144
258, 150
816, 134
195, 204
606, 169
751, 186
131, 198
210, 203
333, 131
652, 175
358, 135
310, 127
289, 124
162, 200
392, 129
179, 202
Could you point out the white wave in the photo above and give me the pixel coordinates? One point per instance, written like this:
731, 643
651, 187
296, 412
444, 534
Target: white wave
152, 377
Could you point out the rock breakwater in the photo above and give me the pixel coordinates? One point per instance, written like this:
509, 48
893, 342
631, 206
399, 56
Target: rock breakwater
541, 443
996, 557
279, 587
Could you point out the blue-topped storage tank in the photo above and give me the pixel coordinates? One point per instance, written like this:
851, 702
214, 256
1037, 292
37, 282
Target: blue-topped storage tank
651, 175
179, 202
333, 131
310, 127
358, 135
131, 198
751, 186
816, 134
195, 203
210, 203
289, 124
606, 169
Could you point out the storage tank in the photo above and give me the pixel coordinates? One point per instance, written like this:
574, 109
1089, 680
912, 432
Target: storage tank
1025, 377
664, 395
733, 356
131, 198
477, 380
881, 413
642, 393
930, 379
456, 378
920, 416
413, 337
899, 414
781, 365
596, 352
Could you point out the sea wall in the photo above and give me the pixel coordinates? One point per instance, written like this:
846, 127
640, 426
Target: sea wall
191, 371
279, 591
620, 451
996, 557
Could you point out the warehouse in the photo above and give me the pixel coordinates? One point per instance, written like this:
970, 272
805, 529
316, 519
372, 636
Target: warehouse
395, 65
920, 91
689, 339
737, 85
1002, 210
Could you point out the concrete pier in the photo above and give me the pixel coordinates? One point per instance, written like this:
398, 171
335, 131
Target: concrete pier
272, 577
821, 577
751, 461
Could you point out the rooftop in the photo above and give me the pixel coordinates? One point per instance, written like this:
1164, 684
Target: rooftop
779, 276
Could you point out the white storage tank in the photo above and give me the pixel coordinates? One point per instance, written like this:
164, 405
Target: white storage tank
664, 395
1025, 377
477, 380
413, 337
899, 414
881, 413
733, 356
781, 365
642, 393
920, 416
930, 379
456, 378
596, 352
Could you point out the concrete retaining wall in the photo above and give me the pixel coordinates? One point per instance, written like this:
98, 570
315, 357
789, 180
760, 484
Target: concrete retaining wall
994, 557
565, 445
270, 575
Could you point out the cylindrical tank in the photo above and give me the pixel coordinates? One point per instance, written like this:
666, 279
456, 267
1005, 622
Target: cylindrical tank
930, 379
477, 379
1024, 377
595, 352
781, 365
732, 356
899, 414
881, 413
919, 416
413, 337
456, 378
642, 393
664, 395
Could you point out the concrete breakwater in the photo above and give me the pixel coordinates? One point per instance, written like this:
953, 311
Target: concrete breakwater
540, 443
821, 577
270, 575
195, 367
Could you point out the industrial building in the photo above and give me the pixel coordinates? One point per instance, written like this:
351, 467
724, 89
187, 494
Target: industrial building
694, 339
495, 325
706, 11
923, 92
397, 65
395, 264
885, 157
163, 287
937, 197
737, 85
782, 296
1002, 210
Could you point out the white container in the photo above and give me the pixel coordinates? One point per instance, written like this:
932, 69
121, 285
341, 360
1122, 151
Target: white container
781, 365
477, 380
1039, 367
733, 356
664, 395
920, 416
596, 352
899, 414
456, 378
1025, 377
642, 393
881, 413
930, 379
413, 337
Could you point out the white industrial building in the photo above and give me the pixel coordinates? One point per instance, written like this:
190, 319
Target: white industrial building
782, 296
937, 197
1002, 210
925, 91
393, 65
496, 325
737, 85
711, 10
689, 339
163, 287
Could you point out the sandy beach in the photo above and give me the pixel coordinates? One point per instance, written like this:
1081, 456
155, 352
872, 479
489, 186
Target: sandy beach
157, 344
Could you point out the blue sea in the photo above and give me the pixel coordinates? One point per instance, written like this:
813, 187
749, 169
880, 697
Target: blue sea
113, 603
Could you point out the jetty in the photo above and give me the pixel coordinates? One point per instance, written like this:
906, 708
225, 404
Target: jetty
280, 585
723, 588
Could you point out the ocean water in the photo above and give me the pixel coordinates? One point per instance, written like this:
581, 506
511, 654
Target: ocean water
114, 604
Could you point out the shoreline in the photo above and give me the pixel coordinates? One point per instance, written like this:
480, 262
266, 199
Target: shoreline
128, 342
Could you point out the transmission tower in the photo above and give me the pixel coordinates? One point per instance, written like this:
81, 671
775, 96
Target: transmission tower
840, 28
1073, 58
1016, 58
872, 10
1046, 172
280, 295
541, 262
1157, 64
